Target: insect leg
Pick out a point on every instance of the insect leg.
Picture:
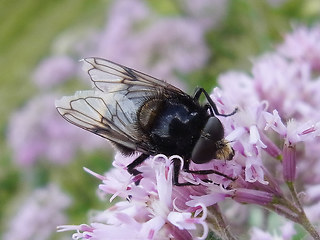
(186, 168)
(131, 167)
(197, 95)
(204, 172)
(176, 172)
(208, 107)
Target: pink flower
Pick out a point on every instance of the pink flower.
(39, 215)
(185, 220)
(292, 134)
(303, 45)
(150, 211)
(53, 71)
(165, 46)
(208, 12)
(37, 131)
(216, 194)
(254, 171)
(274, 121)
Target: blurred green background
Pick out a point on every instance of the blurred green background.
(29, 30)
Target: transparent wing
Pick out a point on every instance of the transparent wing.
(110, 110)
(110, 77)
(111, 116)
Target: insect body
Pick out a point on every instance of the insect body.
(137, 112)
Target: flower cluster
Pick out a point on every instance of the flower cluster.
(37, 132)
(278, 125)
(148, 210)
(161, 52)
(275, 135)
(53, 71)
(44, 207)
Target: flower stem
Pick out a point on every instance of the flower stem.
(293, 210)
(294, 194)
(303, 219)
(217, 224)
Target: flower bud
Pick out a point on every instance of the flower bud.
(244, 195)
(289, 162)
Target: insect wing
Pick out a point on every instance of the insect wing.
(110, 110)
(111, 116)
(109, 77)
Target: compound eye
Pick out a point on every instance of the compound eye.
(206, 146)
(203, 152)
(214, 129)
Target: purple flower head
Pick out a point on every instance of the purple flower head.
(165, 46)
(289, 86)
(244, 130)
(54, 70)
(37, 131)
(292, 133)
(288, 89)
(152, 209)
(272, 74)
(302, 45)
(208, 12)
(39, 215)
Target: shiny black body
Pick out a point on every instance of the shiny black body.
(176, 126)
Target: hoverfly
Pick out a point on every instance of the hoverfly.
(137, 112)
